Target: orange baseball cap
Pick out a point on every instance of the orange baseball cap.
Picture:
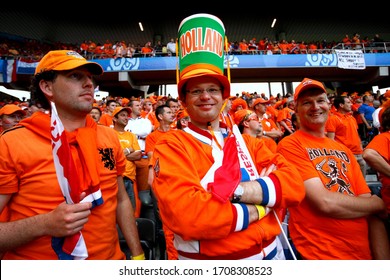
(387, 93)
(119, 109)
(66, 60)
(307, 84)
(260, 101)
(9, 109)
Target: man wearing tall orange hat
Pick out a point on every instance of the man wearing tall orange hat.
(218, 196)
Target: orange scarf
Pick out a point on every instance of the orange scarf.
(82, 142)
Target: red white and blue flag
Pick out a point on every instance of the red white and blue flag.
(9, 70)
(70, 247)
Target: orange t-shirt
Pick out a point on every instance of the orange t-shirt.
(152, 138)
(243, 47)
(345, 129)
(381, 144)
(268, 124)
(272, 112)
(356, 115)
(270, 143)
(106, 119)
(128, 139)
(27, 172)
(315, 235)
(285, 115)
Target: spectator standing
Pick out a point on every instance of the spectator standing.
(378, 42)
(148, 111)
(342, 127)
(165, 117)
(252, 46)
(269, 127)
(40, 221)
(120, 49)
(243, 45)
(356, 103)
(302, 47)
(347, 42)
(158, 48)
(106, 118)
(107, 44)
(91, 49)
(338, 205)
(261, 46)
(365, 111)
(141, 127)
(132, 152)
(130, 50)
(84, 48)
(171, 47)
(356, 43)
(174, 105)
(147, 50)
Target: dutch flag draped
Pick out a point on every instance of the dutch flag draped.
(71, 247)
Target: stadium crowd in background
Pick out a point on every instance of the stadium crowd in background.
(32, 50)
(269, 119)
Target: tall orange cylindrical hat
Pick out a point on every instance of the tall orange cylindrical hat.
(201, 42)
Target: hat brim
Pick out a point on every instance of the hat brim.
(203, 73)
(307, 87)
(122, 109)
(261, 102)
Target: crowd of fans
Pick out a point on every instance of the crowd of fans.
(32, 50)
(245, 100)
(275, 113)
